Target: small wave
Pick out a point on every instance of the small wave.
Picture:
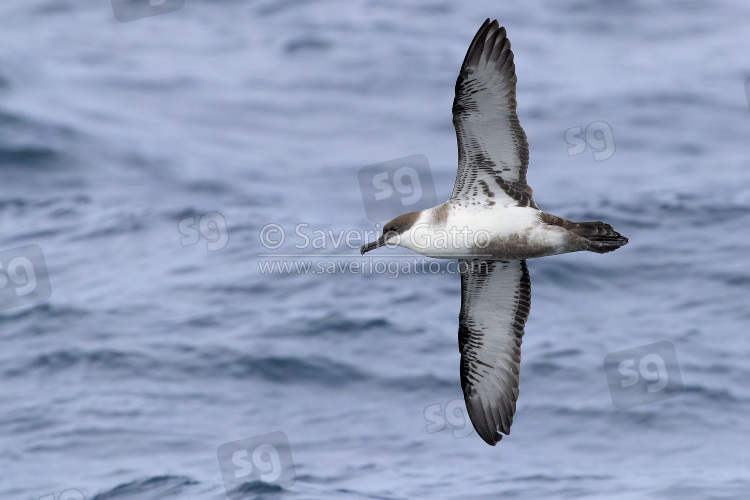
(106, 361)
(113, 223)
(287, 370)
(191, 363)
(305, 44)
(336, 324)
(30, 144)
(155, 487)
(280, 6)
(250, 489)
(420, 383)
(27, 156)
(43, 318)
(561, 477)
(710, 395)
(56, 203)
(40, 312)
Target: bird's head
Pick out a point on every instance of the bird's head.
(395, 232)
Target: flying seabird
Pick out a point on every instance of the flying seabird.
(492, 225)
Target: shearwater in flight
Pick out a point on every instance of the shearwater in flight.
(492, 225)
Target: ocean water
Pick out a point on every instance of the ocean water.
(147, 160)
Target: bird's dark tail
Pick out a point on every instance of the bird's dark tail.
(602, 237)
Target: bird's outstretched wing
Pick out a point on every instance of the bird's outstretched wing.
(495, 301)
(493, 153)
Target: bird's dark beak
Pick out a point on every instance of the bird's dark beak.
(373, 245)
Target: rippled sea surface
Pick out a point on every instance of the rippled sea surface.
(150, 352)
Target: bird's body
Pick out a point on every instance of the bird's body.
(492, 224)
(453, 231)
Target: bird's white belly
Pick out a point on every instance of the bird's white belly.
(453, 232)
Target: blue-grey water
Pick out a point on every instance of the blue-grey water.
(151, 352)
